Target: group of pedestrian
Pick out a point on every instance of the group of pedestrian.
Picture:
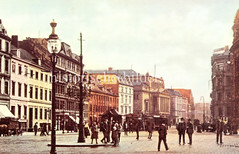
(43, 128)
(183, 128)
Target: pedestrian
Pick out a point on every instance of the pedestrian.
(103, 128)
(125, 127)
(35, 128)
(131, 127)
(94, 133)
(86, 129)
(150, 128)
(42, 130)
(219, 127)
(162, 130)
(181, 130)
(119, 129)
(137, 126)
(115, 135)
(190, 131)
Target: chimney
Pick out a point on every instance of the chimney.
(110, 69)
(15, 41)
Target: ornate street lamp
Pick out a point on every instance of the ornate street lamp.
(53, 45)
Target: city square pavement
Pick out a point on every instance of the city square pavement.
(67, 143)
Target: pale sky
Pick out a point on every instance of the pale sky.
(178, 36)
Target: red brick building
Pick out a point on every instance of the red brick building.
(101, 99)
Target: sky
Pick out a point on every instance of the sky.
(177, 37)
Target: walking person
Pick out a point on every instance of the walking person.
(190, 131)
(94, 133)
(103, 128)
(86, 129)
(181, 130)
(162, 130)
(35, 128)
(219, 127)
(150, 129)
(125, 127)
(137, 127)
(119, 128)
(115, 135)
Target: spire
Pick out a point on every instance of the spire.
(235, 27)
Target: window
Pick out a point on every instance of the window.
(36, 75)
(20, 69)
(36, 116)
(19, 89)
(31, 92)
(31, 73)
(0, 63)
(129, 99)
(7, 47)
(49, 95)
(36, 93)
(73, 67)
(26, 71)
(13, 67)
(50, 79)
(13, 110)
(0, 44)
(6, 66)
(13, 88)
(45, 113)
(40, 113)
(125, 109)
(41, 76)
(6, 88)
(126, 99)
(19, 111)
(25, 90)
(46, 77)
(122, 99)
(46, 95)
(41, 94)
(25, 112)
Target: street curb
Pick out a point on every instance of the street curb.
(81, 145)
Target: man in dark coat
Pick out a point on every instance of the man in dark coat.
(137, 127)
(190, 131)
(35, 128)
(181, 130)
(150, 128)
(219, 127)
(104, 130)
(162, 130)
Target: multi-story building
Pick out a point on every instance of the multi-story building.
(188, 103)
(235, 64)
(178, 106)
(5, 58)
(30, 88)
(67, 75)
(222, 82)
(201, 110)
(102, 98)
(120, 86)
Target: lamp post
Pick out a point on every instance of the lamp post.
(53, 45)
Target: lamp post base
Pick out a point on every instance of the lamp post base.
(81, 138)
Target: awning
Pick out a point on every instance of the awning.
(75, 120)
(5, 112)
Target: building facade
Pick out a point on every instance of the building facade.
(201, 110)
(188, 103)
(102, 98)
(178, 106)
(67, 76)
(222, 82)
(30, 88)
(5, 59)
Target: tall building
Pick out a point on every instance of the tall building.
(67, 75)
(178, 106)
(30, 88)
(120, 86)
(235, 62)
(102, 98)
(5, 73)
(222, 82)
(188, 101)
